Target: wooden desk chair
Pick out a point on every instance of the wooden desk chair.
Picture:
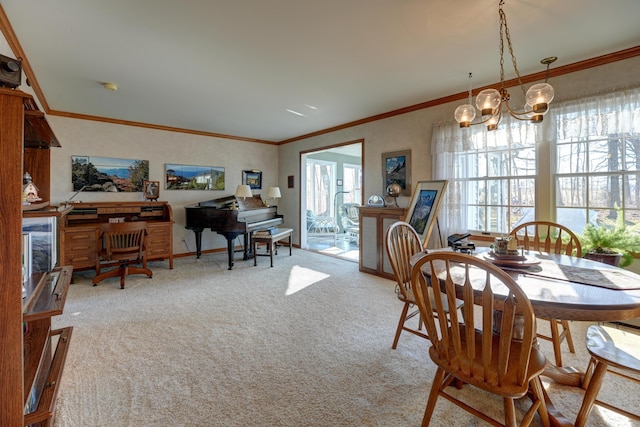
(123, 243)
(608, 347)
(479, 349)
(402, 242)
(544, 236)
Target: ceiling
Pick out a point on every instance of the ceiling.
(235, 67)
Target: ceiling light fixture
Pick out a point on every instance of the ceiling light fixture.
(296, 113)
(110, 86)
(491, 102)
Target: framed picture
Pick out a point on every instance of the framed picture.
(290, 181)
(424, 207)
(108, 174)
(396, 168)
(151, 190)
(253, 179)
(192, 177)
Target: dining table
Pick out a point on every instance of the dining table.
(566, 288)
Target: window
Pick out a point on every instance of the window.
(320, 186)
(492, 176)
(581, 165)
(598, 159)
(352, 182)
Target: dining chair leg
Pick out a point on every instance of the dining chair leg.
(509, 412)
(433, 396)
(593, 388)
(403, 317)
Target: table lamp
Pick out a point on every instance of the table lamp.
(243, 191)
(273, 193)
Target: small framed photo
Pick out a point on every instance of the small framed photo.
(290, 181)
(151, 190)
(424, 207)
(396, 168)
(253, 179)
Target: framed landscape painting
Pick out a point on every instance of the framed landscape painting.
(190, 177)
(424, 207)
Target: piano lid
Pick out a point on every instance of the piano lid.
(226, 202)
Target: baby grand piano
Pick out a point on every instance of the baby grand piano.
(252, 214)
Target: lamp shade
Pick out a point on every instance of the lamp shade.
(274, 193)
(243, 191)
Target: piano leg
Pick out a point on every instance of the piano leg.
(230, 236)
(198, 232)
(247, 246)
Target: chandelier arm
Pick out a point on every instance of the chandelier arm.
(518, 114)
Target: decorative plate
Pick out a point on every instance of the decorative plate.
(511, 260)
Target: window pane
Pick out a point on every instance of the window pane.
(604, 156)
(605, 191)
(572, 158)
(571, 191)
(631, 191)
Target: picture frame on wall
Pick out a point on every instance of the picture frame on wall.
(396, 168)
(151, 190)
(424, 207)
(252, 178)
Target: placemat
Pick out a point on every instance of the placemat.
(605, 278)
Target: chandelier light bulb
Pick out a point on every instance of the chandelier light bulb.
(488, 101)
(465, 114)
(539, 96)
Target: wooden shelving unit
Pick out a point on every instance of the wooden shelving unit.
(32, 354)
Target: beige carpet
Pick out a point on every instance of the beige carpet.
(306, 343)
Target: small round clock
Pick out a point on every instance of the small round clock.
(375, 200)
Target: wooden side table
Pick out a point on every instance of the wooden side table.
(270, 238)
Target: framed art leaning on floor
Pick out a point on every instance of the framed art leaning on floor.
(424, 207)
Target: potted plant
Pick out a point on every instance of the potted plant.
(611, 245)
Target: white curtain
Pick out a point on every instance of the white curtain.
(614, 112)
(448, 142)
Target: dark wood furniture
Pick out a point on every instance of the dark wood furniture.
(250, 214)
(374, 222)
(17, 111)
(45, 350)
(80, 227)
(122, 244)
(270, 238)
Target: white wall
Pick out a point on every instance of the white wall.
(412, 131)
(91, 138)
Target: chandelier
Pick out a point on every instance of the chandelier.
(492, 102)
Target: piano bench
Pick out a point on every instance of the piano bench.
(271, 239)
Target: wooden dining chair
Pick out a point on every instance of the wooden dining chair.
(123, 245)
(495, 353)
(545, 236)
(608, 347)
(402, 242)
